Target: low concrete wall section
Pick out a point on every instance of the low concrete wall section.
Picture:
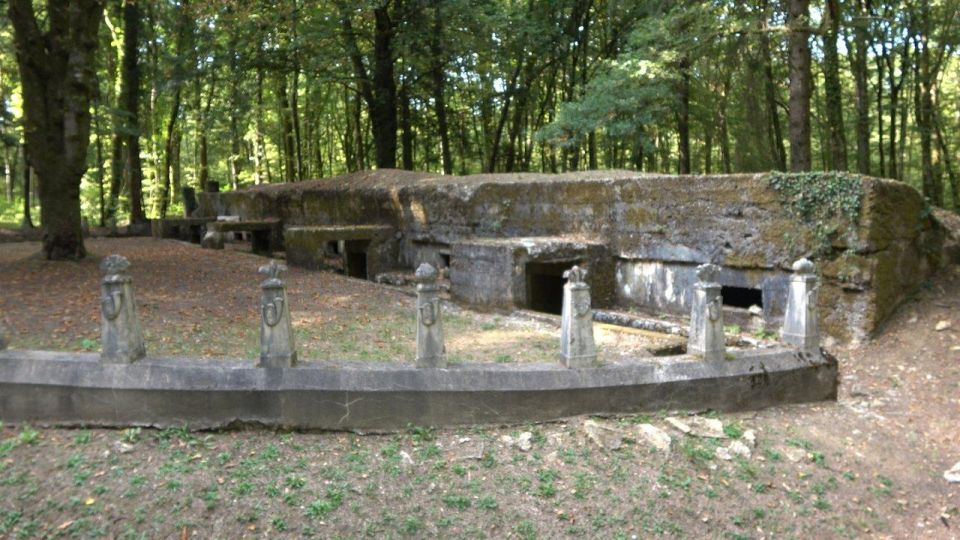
(72, 389)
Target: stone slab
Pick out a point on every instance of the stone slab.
(241, 226)
(358, 232)
(74, 389)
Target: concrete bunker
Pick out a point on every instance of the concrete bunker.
(356, 251)
(640, 236)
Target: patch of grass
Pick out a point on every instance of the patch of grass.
(488, 503)
(746, 471)
(677, 480)
(733, 430)
(800, 443)
(332, 499)
(547, 488)
(885, 488)
(822, 504)
(582, 485)
(765, 333)
(700, 453)
(453, 500)
(422, 434)
(9, 520)
(295, 482)
(411, 525)
(28, 435)
(130, 435)
(525, 529)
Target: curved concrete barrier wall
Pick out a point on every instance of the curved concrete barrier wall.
(73, 389)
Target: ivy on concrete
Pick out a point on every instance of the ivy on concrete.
(823, 200)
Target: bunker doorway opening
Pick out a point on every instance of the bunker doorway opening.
(356, 258)
(741, 297)
(545, 285)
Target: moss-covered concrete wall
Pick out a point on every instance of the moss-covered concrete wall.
(746, 223)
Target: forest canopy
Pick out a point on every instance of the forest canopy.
(115, 106)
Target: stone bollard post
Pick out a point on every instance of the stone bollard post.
(431, 352)
(800, 327)
(706, 316)
(3, 339)
(277, 348)
(577, 347)
(121, 335)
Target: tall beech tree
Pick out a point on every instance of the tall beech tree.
(55, 56)
(130, 105)
(801, 85)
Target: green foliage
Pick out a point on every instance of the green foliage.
(638, 87)
(826, 201)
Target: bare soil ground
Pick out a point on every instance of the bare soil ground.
(869, 465)
(195, 302)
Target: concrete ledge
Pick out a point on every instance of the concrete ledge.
(72, 389)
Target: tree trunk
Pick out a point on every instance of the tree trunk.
(858, 65)
(896, 86)
(775, 132)
(176, 170)
(295, 122)
(7, 176)
(130, 96)
(101, 195)
(504, 114)
(406, 126)
(286, 132)
(259, 149)
(925, 78)
(947, 161)
(57, 74)
(168, 154)
(800, 85)
(383, 112)
(833, 91)
(438, 80)
(881, 150)
(379, 91)
(683, 117)
(27, 220)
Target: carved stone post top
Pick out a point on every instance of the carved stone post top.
(272, 271)
(804, 266)
(426, 275)
(576, 276)
(708, 273)
(114, 268)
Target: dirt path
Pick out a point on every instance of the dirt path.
(869, 465)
